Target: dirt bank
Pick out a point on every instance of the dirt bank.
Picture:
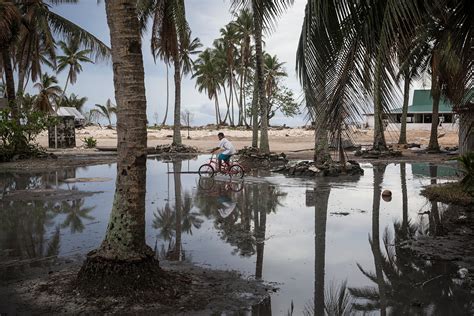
(49, 291)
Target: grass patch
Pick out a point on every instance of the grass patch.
(450, 193)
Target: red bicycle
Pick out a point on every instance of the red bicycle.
(232, 169)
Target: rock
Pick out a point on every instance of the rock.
(314, 169)
(413, 145)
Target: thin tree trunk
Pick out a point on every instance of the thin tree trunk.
(22, 69)
(264, 145)
(406, 93)
(167, 94)
(177, 104)
(321, 198)
(10, 81)
(64, 94)
(379, 137)
(216, 105)
(255, 110)
(231, 98)
(124, 253)
(436, 95)
(242, 82)
(227, 114)
(379, 170)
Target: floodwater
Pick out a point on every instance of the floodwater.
(316, 241)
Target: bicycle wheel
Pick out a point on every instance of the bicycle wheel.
(206, 170)
(236, 171)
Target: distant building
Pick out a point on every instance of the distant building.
(419, 112)
(79, 119)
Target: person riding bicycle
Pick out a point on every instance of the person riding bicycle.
(225, 150)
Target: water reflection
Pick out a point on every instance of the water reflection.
(405, 284)
(236, 207)
(261, 229)
(172, 222)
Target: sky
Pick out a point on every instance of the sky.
(205, 18)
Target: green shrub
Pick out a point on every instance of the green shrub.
(89, 142)
(17, 135)
(467, 163)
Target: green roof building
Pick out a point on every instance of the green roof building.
(420, 111)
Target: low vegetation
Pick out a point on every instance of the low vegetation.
(90, 142)
(18, 135)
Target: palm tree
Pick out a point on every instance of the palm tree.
(75, 101)
(208, 78)
(265, 12)
(273, 72)
(35, 30)
(48, 91)
(124, 241)
(169, 37)
(106, 110)
(244, 28)
(10, 20)
(228, 40)
(72, 59)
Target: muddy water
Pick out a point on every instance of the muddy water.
(316, 241)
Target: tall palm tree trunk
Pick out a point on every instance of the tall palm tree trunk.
(321, 141)
(436, 95)
(406, 93)
(231, 97)
(321, 198)
(167, 94)
(9, 81)
(255, 111)
(258, 20)
(124, 251)
(379, 137)
(177, 103)
(22, 69)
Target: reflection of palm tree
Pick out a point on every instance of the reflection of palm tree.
(374, 241)
(414, 285)
(76, 212)
(164, 220)
(321, 198)
(189, 219)
(403, 179)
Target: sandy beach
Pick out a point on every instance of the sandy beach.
(281, 140)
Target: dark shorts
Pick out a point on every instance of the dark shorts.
(224, 157)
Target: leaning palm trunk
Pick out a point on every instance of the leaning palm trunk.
(167, 94)
(177, 104)
(379, 137)
(9, 80)
(255, 115)
(436, 95)
(124, 253)
(403, 128)
(22, 70)
(258, 20)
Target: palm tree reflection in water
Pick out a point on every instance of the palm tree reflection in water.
(405, 283)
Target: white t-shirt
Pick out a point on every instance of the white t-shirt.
(229, 148)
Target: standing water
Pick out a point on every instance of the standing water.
(330, 245)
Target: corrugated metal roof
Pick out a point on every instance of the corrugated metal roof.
(70, 111)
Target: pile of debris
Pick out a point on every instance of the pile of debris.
(175, 149)
(252, 157)
(329, 169)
